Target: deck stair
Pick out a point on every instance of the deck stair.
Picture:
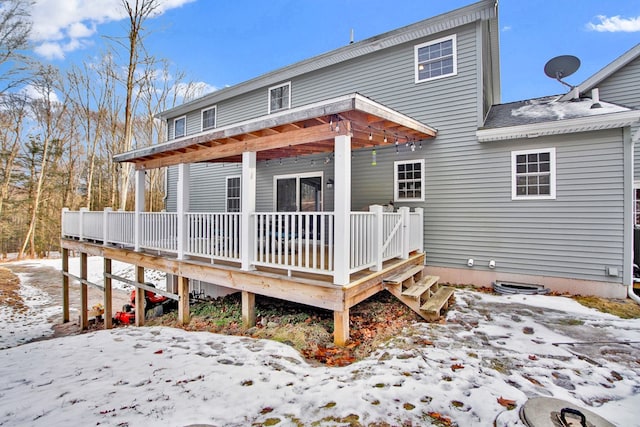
(419, 292)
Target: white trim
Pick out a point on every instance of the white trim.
(559, 127)
(174, 126)
(226, 192)
(396, 197)
(288, 98)
(552, 174)
(215, 118)
(454, 56)
(298, 176)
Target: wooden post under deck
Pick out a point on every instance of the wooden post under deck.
(108, 301)
(140, 297)
(248, 309)
(84, 311)
(65, 285)
(341, 327)
(183, 300)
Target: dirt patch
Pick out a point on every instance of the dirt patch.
(625, 309)
(9, 290)
(307, 329)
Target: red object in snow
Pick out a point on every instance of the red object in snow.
(125, 317)
(152, 298)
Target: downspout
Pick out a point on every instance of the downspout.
(627, 275)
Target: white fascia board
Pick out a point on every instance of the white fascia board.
(582, 124)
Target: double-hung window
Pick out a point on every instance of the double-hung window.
(409, 181)
(233, 194)
(533, 174)
(280, 97)
(208, 118)
(436, 59)
(179, 127)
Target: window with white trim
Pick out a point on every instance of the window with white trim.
(436, 59)
(408, 181)
(280, 97)
(208, 118)
(232, 196)
(533, 174)
(179, 127)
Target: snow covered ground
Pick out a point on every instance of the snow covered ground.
(491, 349)
(20, 326)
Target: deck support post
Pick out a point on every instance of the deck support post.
(406, 231)
(377, 235)
(139, 208)
(248, 206)
(248, 309)
(341, 327)
(184, 316)
(108, 300)
(183, 207)
(65, 285)
(84, 310)
(140, 314)
(342, 208)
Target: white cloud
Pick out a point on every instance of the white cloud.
(615, 24)
(34, 92)
(189, 91)
(61, 26)
(506, 28)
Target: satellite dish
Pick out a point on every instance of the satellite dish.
(562, 66)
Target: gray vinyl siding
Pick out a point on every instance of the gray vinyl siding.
(207, 189)
(623, 87)
(575, 236)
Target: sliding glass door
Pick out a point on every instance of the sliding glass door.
(298, 193)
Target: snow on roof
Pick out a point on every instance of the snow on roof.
(549, 108)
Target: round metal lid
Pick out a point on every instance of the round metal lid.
(550, 412)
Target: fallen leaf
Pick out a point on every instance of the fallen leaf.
(533, 357)
(456, 366)
(157, 352)
(507, 403)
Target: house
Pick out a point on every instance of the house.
(276, 186)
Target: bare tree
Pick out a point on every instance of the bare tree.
(47, 112)
(138, 12)
(15, 27)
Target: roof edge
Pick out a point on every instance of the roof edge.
(484, 9)
(559, 127)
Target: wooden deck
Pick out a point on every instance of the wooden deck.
(305, 288)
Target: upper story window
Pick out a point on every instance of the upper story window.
(436, 59)
(208, 118)
(279, 97)
(533, 174)
(409, 181)
(179, 127)
(233, 194)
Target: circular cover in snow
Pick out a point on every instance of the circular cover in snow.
(550, 412)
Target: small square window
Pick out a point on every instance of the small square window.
(533, 174)
(280, 97)
(436, 59)
(179, 127)
(209, 118)
(409, 181)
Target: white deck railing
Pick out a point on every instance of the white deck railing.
(294, 241)
(301, 241)
(213, 235)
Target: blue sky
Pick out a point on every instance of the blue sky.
(222, 43)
